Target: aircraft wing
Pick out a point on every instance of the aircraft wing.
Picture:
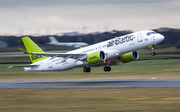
(79, 56)
(23, 66)
(65, 55)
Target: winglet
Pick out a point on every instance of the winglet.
(22, 50)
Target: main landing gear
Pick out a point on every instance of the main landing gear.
(87, 69)
(107, 68)
(152, 53)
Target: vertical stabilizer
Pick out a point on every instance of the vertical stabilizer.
(32, 47)
(53, 40)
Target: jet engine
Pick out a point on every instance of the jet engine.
(129, 56)
(96, 57)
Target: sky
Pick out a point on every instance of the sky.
(60, 16)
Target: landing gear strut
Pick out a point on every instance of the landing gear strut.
(107, 68)
(152, 53)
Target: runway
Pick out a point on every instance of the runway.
(92, 84)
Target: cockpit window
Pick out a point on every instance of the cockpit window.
(149, 33)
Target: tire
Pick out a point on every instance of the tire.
(109, 69)
(105, 69)
(85, 70)
(153, 53)
(88, 69)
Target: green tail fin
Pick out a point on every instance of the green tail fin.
(32, 47)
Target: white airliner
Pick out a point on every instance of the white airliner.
(122, 48)
(54, 41)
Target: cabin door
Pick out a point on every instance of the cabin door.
(139, 37)
(49, 63)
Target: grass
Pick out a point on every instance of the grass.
(90, 100)
(15, 59)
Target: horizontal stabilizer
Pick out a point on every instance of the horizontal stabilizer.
(22, 50)
(23, 66)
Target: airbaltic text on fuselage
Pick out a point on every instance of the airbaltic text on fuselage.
(120, 40)
(35, 57)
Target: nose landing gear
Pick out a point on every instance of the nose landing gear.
(153, 53)
(152, 48)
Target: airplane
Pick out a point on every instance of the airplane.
(123, 48)
(54, 41)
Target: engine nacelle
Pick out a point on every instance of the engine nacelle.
(96, 57)
(134, 55)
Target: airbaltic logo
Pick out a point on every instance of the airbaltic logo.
(35, 57)
(92, 57)
(121, 40)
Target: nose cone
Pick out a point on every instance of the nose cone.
(159, 38)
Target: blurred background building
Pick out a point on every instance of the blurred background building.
(3, 44)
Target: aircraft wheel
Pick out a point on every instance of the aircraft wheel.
(87, 69)
(153, 53)
(107, 69)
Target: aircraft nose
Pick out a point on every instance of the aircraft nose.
(159, 38)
